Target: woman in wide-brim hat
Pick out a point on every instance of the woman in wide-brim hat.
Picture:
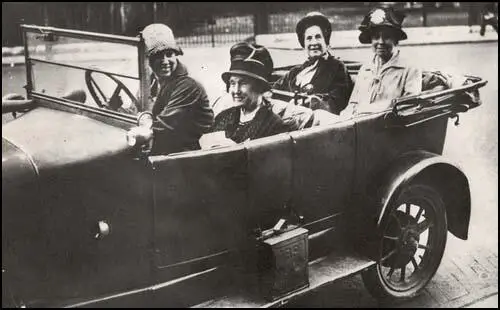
(378, 18)
(387, 76)
(250, 116)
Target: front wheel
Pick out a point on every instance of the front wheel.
(411, 244)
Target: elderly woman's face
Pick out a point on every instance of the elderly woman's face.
(244, 90)
(383, 42)
(314, 42)
(163, 63)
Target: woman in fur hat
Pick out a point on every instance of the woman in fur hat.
(387, 76)
(180, 105)
(322, 76)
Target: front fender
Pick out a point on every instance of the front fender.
(437, 171)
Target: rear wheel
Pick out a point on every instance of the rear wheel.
(411, 244)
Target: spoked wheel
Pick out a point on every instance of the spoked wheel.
(411, 245)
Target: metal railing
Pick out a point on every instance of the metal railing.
(215, 24)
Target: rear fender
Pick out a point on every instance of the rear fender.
(436, 171)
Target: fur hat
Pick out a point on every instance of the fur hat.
(381, 17)
(250, 60)
(159, 37)
(311, 19)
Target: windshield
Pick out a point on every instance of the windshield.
(104, 67)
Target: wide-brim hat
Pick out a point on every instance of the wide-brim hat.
(311, 19)
(158, 38)
(382, 18)
(250, 60)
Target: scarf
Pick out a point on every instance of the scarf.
(305, 76)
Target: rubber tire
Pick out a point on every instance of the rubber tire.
(372, 278)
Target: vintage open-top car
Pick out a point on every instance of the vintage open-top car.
(90, 218)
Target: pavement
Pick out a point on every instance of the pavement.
(466, 279)
(339, 40)
(489, 302)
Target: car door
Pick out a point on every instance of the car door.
(199, 203)
(270, 164)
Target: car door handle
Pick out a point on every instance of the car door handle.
(103, 229)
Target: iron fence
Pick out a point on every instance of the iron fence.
(212, 23)
(219, 31)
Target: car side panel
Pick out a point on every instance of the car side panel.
(75, 199)
(323, 169)
(378, 147)
(200, 199)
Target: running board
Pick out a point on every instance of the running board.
(322, 271)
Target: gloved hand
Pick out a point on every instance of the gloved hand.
(215, 139)
(314, 102)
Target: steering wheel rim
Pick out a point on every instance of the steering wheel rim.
(93, 87)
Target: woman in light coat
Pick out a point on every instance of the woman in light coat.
(387, 76)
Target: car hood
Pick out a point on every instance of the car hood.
(51, 139)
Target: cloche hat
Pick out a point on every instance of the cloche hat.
(159, 37)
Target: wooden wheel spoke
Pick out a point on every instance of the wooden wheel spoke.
(419, 213)
(403, 274)
(389, 274)
(423, 226)
(414, 263)
(425, 247)
(408, 208)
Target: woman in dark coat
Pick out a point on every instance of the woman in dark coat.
(251, 115)
(180, 104)
(323, 77)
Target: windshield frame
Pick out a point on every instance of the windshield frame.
(46, 32)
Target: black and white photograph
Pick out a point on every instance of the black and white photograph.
(250, 154)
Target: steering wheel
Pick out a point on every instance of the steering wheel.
(114, 102)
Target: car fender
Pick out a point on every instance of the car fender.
(433, 169)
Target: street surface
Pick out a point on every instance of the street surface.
(469, 270)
